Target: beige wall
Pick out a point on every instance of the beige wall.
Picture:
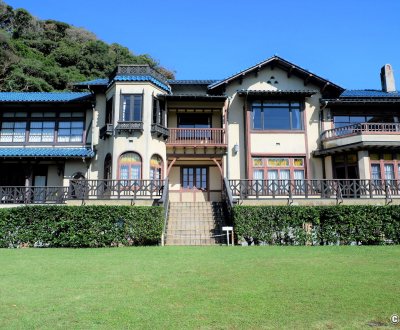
(144, 143)
(272, 143)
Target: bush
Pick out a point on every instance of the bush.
(80, 226)
(318, 225)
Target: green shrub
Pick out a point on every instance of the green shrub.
(318, 225)
(80, 226)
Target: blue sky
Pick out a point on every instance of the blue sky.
(346, 42)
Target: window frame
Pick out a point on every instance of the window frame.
(394, 161)
(130, 167)
(57, 117)
(291, 167)
(132, 97)
(264, 104)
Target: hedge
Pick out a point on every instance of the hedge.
(80, 226)
(318, 225)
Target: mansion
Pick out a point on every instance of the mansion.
(273, 130)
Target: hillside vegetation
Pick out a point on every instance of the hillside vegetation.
(47, 55)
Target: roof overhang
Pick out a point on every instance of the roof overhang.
(266, 93)
(360, 101)
(192, 97)
(47, 152)
(390, 145)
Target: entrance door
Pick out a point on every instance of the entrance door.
(39, 192)
(195, 181)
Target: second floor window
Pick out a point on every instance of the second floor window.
(42, 127)
(131, 107)
(276, 115)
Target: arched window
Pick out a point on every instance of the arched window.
(107, 167)
(130, 166)
(156, 168)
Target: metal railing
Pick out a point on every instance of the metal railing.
(164, 201)
(361, 128)
(227, 199)
(196, 136)
(159, 129)
(338, 189)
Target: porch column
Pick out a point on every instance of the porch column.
(328, 168)
(363, 164)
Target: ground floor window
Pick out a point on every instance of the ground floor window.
(385, 166)
(194, 177)
(130, 165)
(278, 168)
(156, 167)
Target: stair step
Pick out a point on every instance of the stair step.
(194, 223)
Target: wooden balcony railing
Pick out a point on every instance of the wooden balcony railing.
(83, 190)
(339, 189)
(361, 128)
(196, 136)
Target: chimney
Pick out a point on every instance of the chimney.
(387, 79)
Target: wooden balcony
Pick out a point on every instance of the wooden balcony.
(197, 137)
(361, 128)
(362, 134)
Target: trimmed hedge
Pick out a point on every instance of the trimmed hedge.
(318, 225)
(80, 226)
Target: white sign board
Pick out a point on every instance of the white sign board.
(227, 228)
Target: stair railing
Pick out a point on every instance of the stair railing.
(227, 198)
(164, 201)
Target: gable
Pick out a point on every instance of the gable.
(278, 68)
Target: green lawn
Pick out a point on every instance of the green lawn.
(199, 287)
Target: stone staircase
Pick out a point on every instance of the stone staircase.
(195, 223)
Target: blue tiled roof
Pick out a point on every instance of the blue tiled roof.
(95, 82)
(142, 78)
(193, 82)
(43, 96)
(369, 93)
(47, 152)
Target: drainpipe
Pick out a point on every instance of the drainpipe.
(320, 132)
(227, 139)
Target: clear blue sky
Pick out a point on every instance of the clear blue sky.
(345, 41)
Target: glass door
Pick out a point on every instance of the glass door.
(195, 178)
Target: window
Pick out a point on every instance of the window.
(194, 177)
(70, 131)
(107, 175)
(42, 131)
(278, 168)
(109, 111)
(42, 127)
(346, 120)
(130, 166)
(194, 120)
(13, 131)
(131, 107)
(158, 112)
(385, 166)
(276, 115)
(156, 167)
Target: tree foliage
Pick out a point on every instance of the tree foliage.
(46, 55)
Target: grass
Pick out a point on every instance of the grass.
(195, 287)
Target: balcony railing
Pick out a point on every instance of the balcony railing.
(129, 126)
(106, 130)
(83, 190)
(197, 136)
(361, 128)
(159, 130)
(339, 189)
